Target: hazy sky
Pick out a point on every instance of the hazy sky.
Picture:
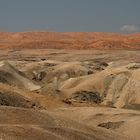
(70, 15)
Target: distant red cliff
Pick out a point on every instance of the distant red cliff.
(69, 40)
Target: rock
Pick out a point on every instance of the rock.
(84, 96)
(134, 66)
(111, 125)
(39, 76)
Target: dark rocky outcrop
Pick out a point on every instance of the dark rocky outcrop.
(111, 125)
(84, 96)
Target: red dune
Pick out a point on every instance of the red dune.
(70, 40)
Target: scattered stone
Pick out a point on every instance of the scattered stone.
(134, 66)
(84, 96)
(39, 76)
(111, 125)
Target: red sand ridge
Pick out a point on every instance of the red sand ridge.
(69, 40)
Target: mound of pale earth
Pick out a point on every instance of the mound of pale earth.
(10, 75)
(67, 70)
(16, 97)
(64, 70)
(55, 76)
(19, 123)
(37, 70)
(117, 86)
(15, 100)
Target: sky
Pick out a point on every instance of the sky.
(70, 15)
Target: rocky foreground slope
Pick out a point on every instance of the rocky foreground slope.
(90, 95)
(69, 40)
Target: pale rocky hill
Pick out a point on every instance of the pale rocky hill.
(69, 95)
(116, 86)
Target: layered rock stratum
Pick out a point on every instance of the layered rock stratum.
(70, 40)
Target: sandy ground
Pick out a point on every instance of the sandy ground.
(69, 94)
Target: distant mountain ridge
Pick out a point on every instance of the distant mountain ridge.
(69, 40)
